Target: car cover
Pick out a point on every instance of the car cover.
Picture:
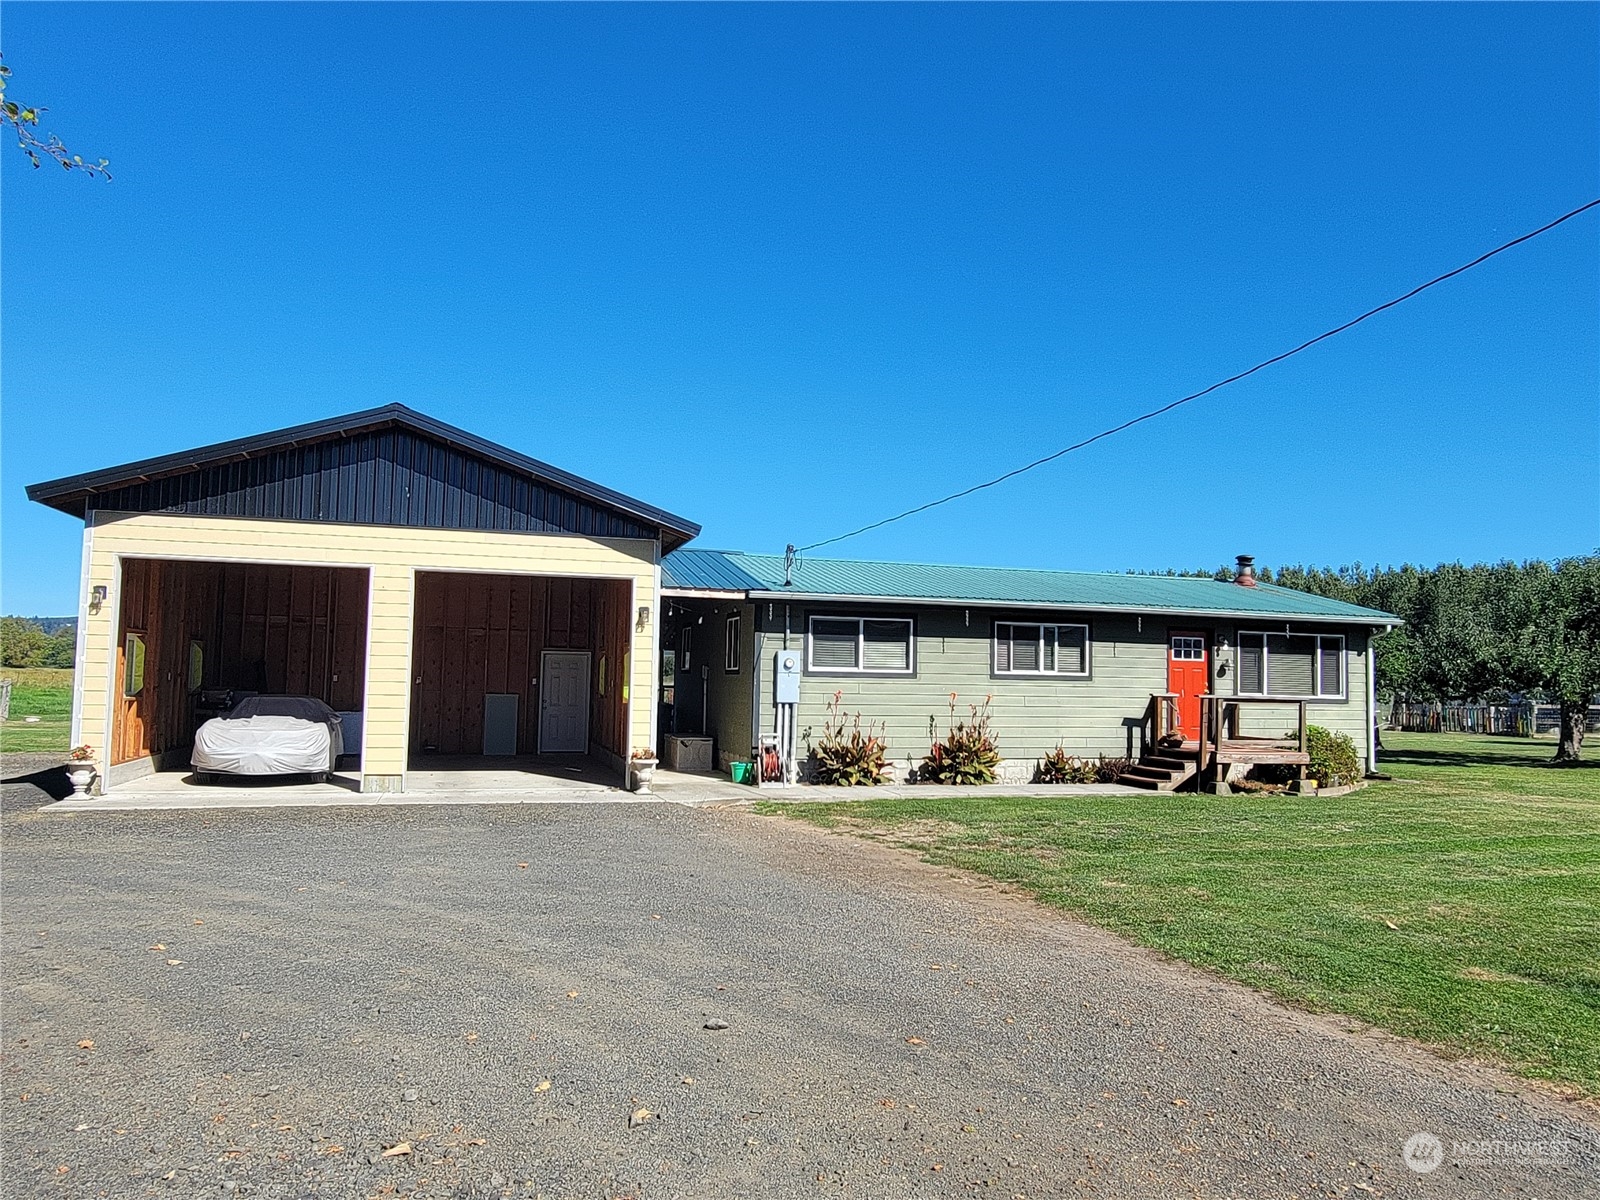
(270, 735)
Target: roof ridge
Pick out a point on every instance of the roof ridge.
(874, 579)
(888, 562)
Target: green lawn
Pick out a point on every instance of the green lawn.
(43, 692)
(1459, 905)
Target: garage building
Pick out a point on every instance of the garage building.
(462, 598)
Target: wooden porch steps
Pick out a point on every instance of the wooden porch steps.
(1164, 769)
(1204, 763)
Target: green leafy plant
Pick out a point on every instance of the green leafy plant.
(1334, 760)
(845, 755)
(968, 753)
(1060, 767)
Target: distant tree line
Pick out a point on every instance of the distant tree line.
(32, 642)
(1479, 633)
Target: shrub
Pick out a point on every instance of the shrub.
(1060, 767)
(1334, 761)
(1108, 770)
(844, 755)
(968, 753)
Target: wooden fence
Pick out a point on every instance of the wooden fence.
(1514, 720)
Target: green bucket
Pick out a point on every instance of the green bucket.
(743, 772)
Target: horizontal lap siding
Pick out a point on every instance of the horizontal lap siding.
(392, 554)
(1031, 714)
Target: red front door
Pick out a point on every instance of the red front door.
(1188, 677)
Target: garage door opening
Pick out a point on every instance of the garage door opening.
(196, 636)
(520, 675)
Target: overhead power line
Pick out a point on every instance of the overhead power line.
(1221, 383)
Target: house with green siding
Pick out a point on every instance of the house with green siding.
(1148, 667)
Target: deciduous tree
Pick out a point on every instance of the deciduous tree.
(24, 120)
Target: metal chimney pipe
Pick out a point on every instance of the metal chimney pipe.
(1246, 574)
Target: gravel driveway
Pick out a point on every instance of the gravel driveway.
(263, 1003)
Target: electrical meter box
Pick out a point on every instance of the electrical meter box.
(786, 677)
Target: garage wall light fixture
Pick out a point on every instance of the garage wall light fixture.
(644, 617)
(97, 597)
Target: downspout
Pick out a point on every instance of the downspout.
(1372, 697)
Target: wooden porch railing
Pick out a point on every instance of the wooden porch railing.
(1160, 719)
(1221, 733)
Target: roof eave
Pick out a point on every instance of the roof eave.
(686, 593)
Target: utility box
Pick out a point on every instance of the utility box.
(689, 753)
(786, 677)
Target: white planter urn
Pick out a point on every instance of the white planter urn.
(644, 770)
(81, 774)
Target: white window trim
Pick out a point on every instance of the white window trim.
(994, 650)
(1186, 637)
(861, 645)
(1316, 660)
(732, 632)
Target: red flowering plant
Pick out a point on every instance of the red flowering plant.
(83, 753)
(845, 755)
(1060, 767)
(968, 753)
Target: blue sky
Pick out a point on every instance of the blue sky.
(786, 269)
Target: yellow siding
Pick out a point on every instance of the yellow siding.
(393, 555)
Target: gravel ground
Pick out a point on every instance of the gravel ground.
(264, 1003)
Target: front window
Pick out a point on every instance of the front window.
(1040, 649)
(1293, 665)
(870, 645)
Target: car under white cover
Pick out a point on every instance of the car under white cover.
(270, 735)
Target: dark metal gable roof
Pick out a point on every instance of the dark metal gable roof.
(385, 466)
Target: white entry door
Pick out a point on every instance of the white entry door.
(564, 702)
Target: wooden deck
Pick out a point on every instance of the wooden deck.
(1258, 750)
(1167, 764)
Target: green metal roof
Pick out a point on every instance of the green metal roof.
(850, 579)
